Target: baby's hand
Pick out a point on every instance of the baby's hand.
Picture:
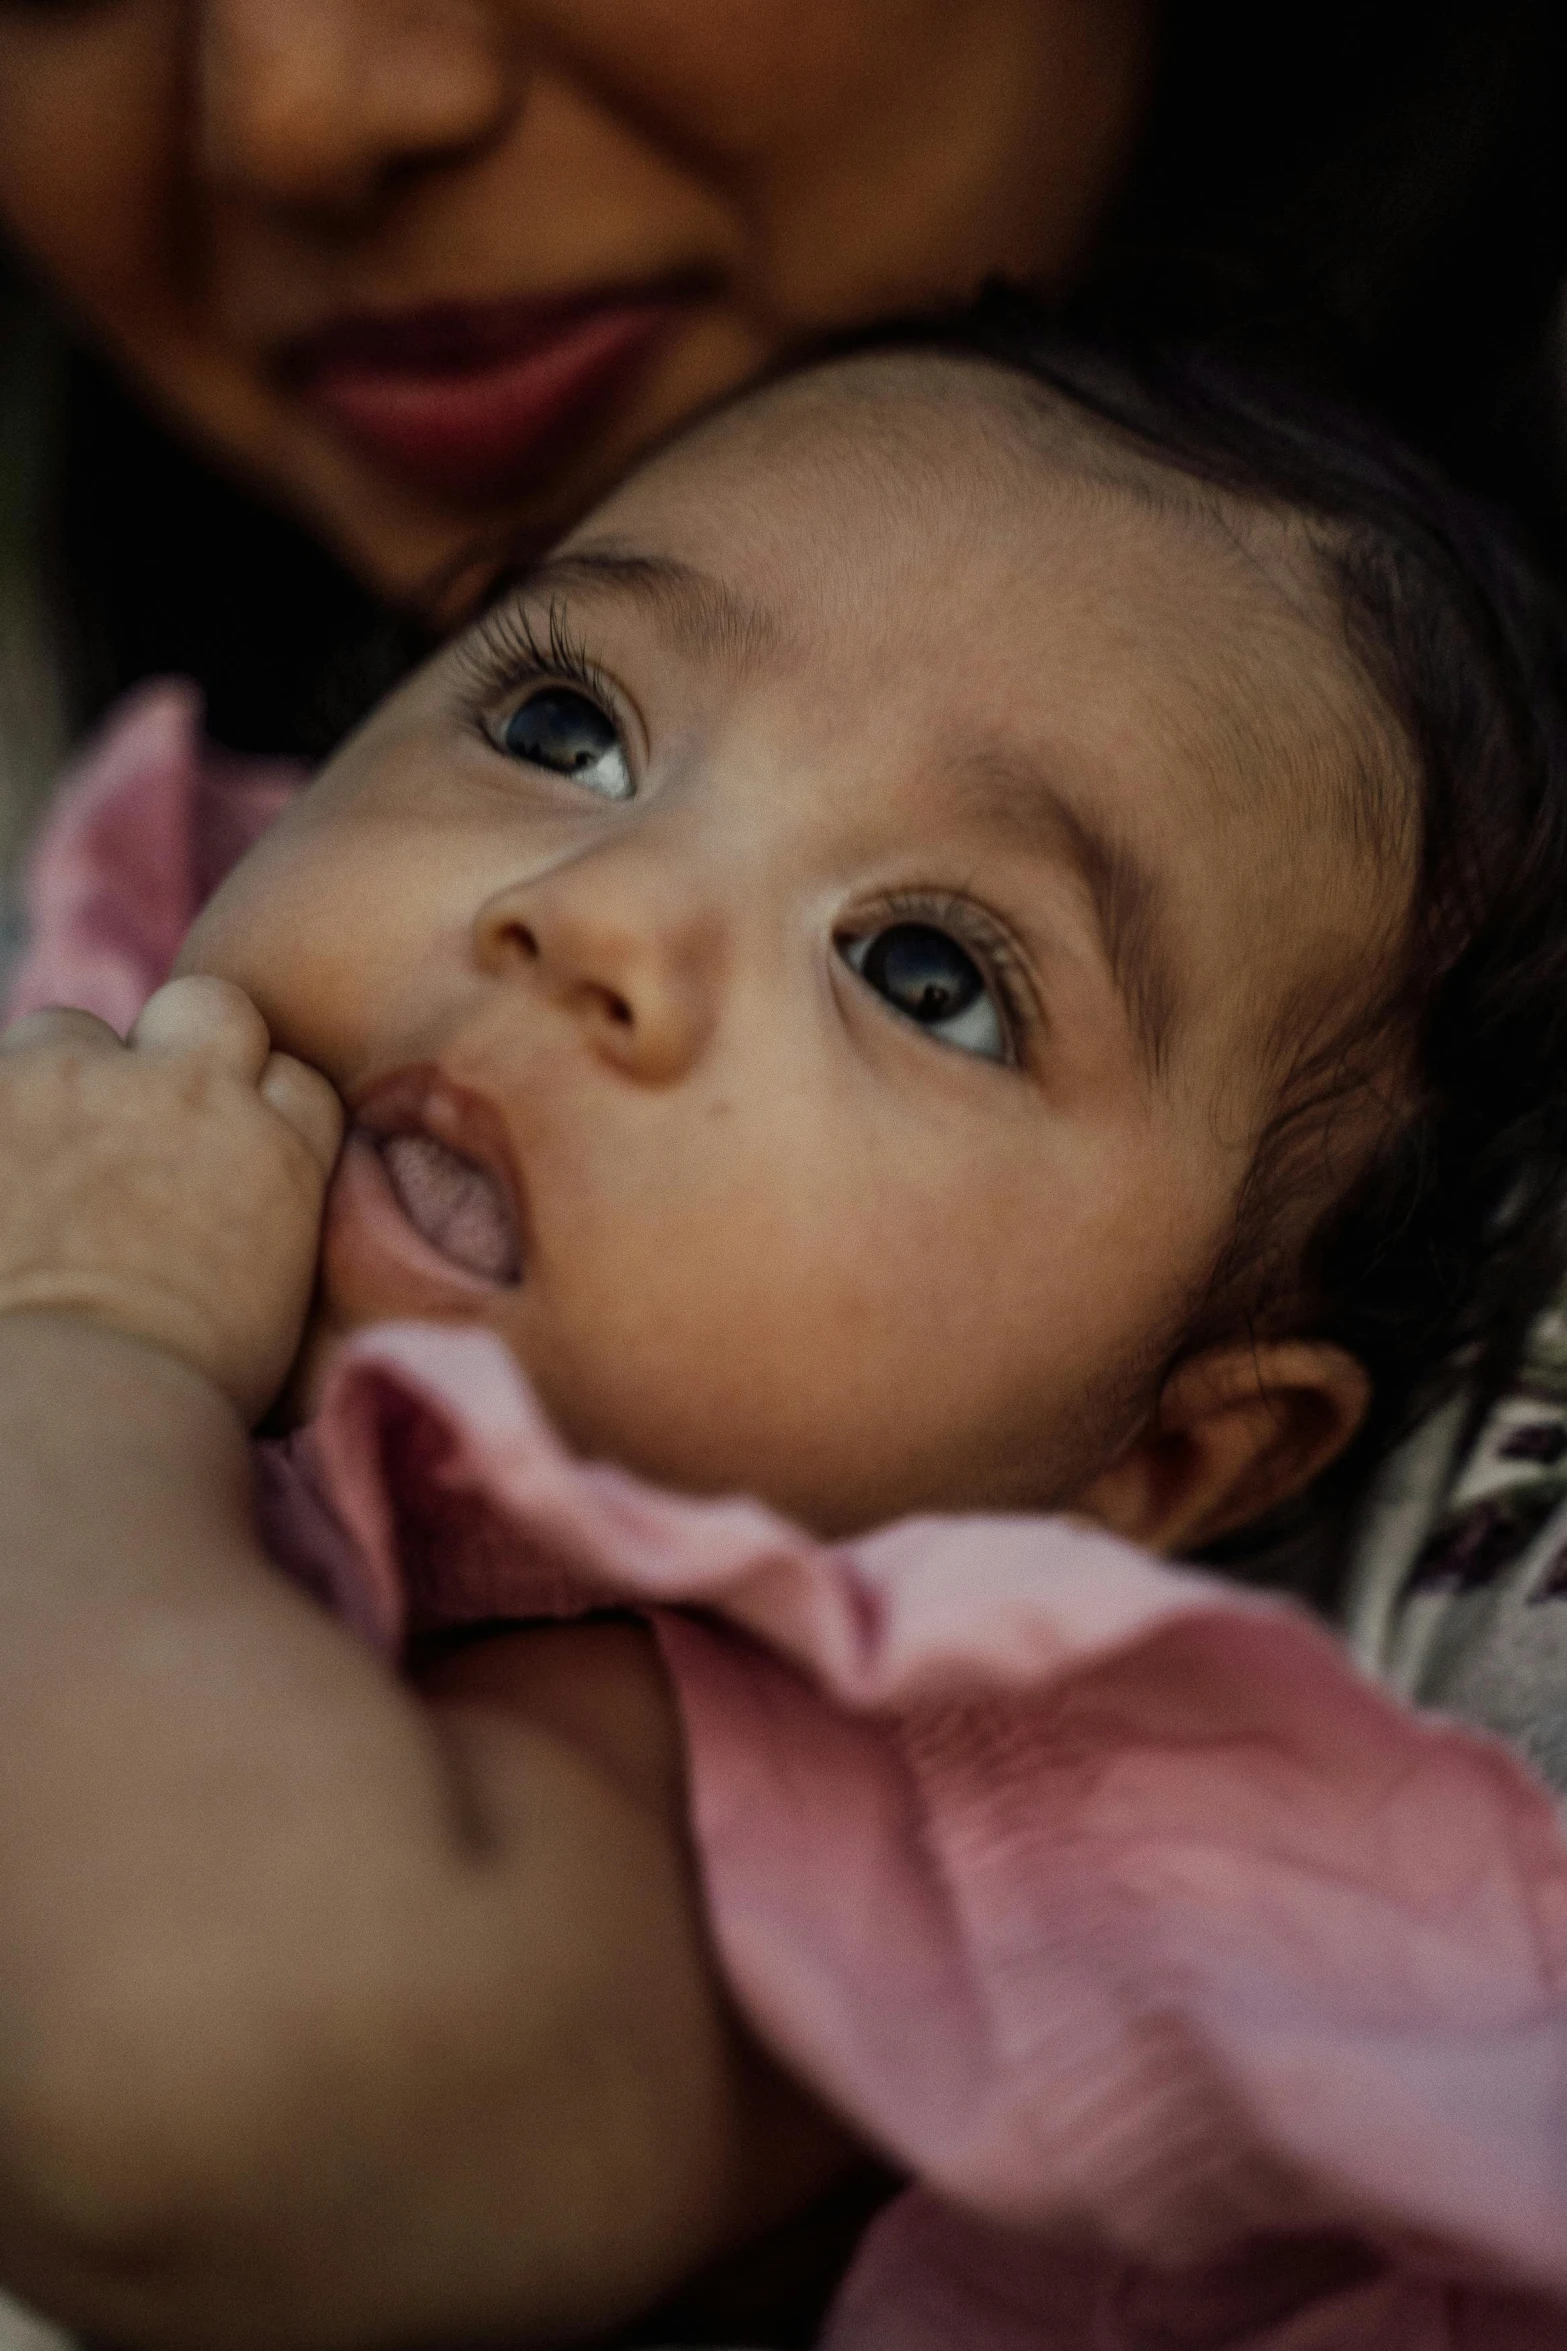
(172, 1188)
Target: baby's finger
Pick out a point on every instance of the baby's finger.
(207, 1016)
(303, 1096)
(60, 1025)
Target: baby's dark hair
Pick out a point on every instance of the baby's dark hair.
(1428, 1267)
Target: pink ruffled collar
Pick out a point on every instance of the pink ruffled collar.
(1108, 1900)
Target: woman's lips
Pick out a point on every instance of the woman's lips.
(477, 401)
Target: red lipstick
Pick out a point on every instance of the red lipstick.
(478, 400)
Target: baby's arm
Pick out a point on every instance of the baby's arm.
(327, 2015)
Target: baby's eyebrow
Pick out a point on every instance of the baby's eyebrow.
(704, 616)
(711, 620)
(1010, 794)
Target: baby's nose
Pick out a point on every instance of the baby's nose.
(640, 979)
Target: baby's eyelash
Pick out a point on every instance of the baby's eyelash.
(505, 649)
(985, 940)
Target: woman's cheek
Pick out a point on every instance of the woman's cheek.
(91, 116)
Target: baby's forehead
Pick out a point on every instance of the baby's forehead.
(936, 562)
(950, 521)
(850, 488)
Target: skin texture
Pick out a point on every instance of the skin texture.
(341, 2011)
(202, 181)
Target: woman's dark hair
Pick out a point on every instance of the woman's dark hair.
(1429, 1267)
(1371, 194)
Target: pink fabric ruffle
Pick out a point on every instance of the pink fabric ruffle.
(142, 829)
(1212, 1996)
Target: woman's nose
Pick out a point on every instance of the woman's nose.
(320, 104)
(639, 973)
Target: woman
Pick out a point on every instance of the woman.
(422, 278)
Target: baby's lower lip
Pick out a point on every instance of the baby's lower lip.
(453, 1203)
(376, 1262)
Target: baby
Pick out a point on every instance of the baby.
(984, 936)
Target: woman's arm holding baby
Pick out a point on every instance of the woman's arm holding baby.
(326, 2015)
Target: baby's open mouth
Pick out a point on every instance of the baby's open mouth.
(454, 1204)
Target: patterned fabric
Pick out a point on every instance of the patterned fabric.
(1458, 1594)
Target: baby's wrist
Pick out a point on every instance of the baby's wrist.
(61, 1317)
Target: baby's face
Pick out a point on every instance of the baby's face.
(802, 971)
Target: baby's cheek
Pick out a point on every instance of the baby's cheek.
(296, 934)
(266, 899)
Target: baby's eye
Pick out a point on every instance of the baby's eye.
(931, 980)
(559, 728)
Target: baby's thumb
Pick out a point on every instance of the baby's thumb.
(303, 1097)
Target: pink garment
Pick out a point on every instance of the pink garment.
(1211, 1997)
(142, 830)
(1105, 1898)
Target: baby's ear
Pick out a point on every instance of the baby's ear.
(1237, 1430)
